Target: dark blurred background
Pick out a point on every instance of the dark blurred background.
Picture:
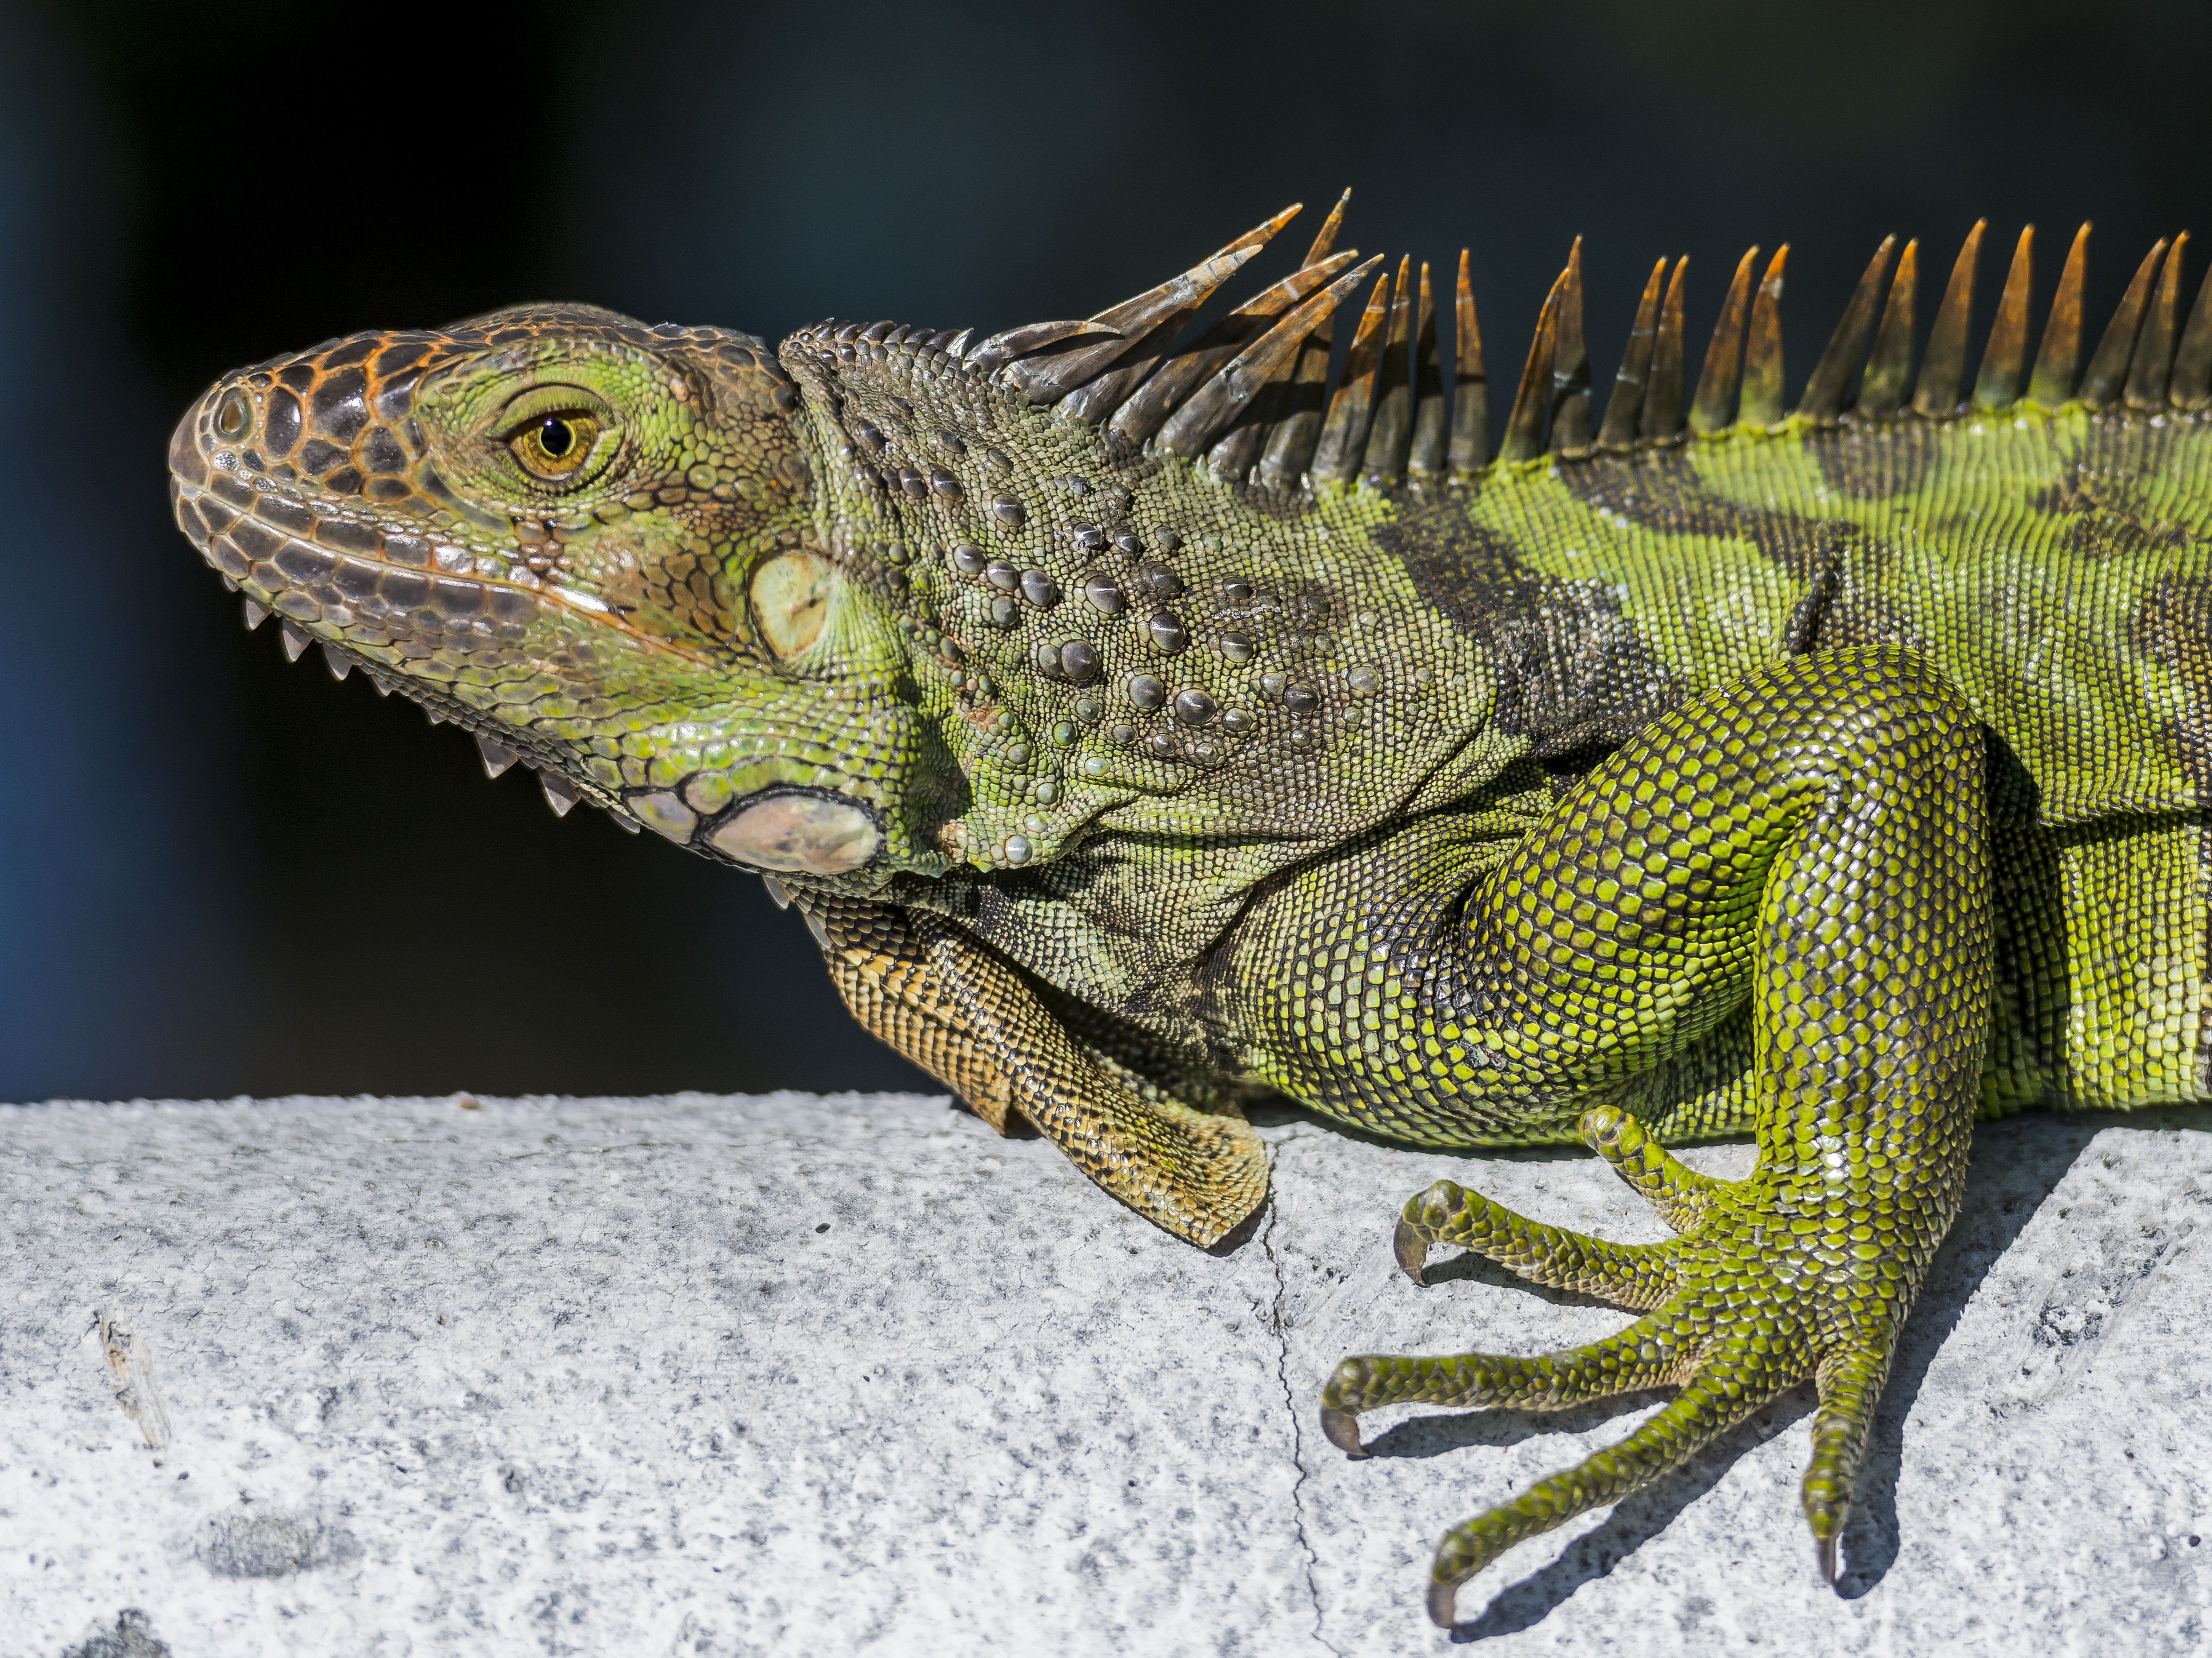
(220, 874)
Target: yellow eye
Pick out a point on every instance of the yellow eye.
(554, 446)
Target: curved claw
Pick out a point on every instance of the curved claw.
(1850, 1384)
(1443, 1605)
(1411, 1250)
(1341, 1429)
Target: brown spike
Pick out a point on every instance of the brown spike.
(1231, 392)
(1097, 399)
(1290, 443)
(1524, 427)
(1470, 423)
(1033, 337)
(1152, 319)
(1427, 459)
(1943, 365)
(1762, 351)
(1074, 379)
(1882, 390)
(2052, 382)
(1998, 383)
(1188, 291)
(1831, 376)
(1662, 398)
(1715, 402)
(1324, 241)
(1385, 458)
(2108, 368)
(1233, 457)
(1571, 369)
(1626, 401)
(2191, 385)
(2153, 354)
(1344, 433)
(1144, 412)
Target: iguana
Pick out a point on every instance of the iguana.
(1144, 720)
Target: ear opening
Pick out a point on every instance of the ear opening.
(790, 596)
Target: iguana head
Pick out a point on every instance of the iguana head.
(595, 544)
(883, 603)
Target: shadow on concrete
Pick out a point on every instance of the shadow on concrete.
(1471, 1268)
(1638, 1517)
(1438, 1436)
(2016, 1163)
(1243, 1232)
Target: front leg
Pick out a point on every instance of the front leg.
(942, 998)
(1814, 838)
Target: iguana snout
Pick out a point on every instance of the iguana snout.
(593, 544)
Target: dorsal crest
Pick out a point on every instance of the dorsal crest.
(1252, 398)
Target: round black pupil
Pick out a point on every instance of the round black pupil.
(556, 437)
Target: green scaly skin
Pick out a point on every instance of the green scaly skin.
(1833, 781)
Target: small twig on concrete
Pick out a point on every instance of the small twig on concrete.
(130, 1362)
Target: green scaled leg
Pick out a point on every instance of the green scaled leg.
(1813, 839)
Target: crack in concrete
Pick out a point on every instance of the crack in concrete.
(1290, 1404)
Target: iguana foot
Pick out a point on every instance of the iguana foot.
(1762, 1289)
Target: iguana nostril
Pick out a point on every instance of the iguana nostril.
(233, 415)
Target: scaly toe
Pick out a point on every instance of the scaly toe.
(1601, 1126)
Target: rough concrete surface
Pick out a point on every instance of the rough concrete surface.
(711, 1377)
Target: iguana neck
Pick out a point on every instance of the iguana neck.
(1108, 640)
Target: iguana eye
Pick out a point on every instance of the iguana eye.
(554, 446)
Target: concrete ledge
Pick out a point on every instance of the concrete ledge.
(716, 1376)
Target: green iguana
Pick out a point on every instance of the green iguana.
(1144, 723)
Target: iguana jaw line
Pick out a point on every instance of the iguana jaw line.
(316, 608)
(781, 829)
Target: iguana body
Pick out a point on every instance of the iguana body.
(1139, 731)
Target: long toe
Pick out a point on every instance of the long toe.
(1713, 1401)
